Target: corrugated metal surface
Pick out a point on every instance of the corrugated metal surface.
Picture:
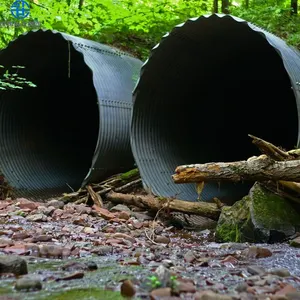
(72, 128)
(208, 84)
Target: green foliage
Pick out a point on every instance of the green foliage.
(130, 25)
(154, 282)
(137, 25)
(12, 81)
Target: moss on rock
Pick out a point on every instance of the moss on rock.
(260, 217)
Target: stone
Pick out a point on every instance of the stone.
(162, 239)
(13, 264)
(102, 250)
(210, 295)
(256, 270)
(295, 242)
(159, 293)
(37, 218)
(293, 296)
(56, 203)
(189, 257)
(260, 217)
(119, 208)
(282, 272)
(28, 283)
(127, 289)
(257, 252)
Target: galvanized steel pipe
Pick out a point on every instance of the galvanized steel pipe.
(74, 127)
(209, 83)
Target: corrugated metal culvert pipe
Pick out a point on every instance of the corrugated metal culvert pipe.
(72, 128)
(208, 84)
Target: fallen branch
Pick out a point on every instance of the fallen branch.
(259, 168)
(209, 210)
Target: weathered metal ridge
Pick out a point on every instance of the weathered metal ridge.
(74, 127)
(209, 83)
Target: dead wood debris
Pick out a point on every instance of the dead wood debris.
(276, 169)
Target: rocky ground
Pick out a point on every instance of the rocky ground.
(66, 251)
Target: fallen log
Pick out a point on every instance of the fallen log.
(259, 168)
(205, 209)
(287, 189)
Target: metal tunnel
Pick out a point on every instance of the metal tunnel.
(74, 127)
(209, 83)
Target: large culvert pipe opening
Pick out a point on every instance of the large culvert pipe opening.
(55, 136)
(208, 85)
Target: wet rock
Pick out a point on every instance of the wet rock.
(282, 272)
(102, 250)
(56, 203)
(120, 208)
(37, 218)
(13, 264)
(162, 239)
(295, 242)
(189, 257)
(256, 270)
(260, 217)
(91, 265)
(28, 283)
(257, 252)
(127, 289)
(159, 293)
(210, 295)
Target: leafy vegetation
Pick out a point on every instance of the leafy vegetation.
(136, 26)
(12, 80)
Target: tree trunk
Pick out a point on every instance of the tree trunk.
(215, 7)
(225, 6)
(205, 209)
(294, 7)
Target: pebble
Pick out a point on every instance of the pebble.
(120, 208)
(127, 289)
(36, 218)
(159, 293)
(256, 270)
(189, 257)
(28, 283)
(162, 239)
(56, 204)
(210, 295)
(280, 272)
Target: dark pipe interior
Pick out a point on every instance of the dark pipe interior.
(212, 83)
(49, 133)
